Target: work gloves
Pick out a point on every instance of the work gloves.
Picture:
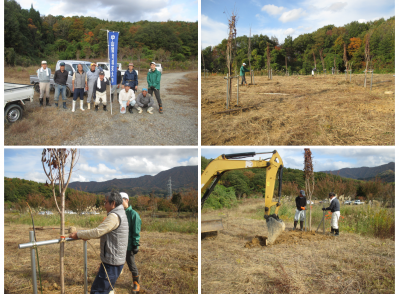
(303, 208)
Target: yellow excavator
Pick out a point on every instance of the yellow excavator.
(227, 162)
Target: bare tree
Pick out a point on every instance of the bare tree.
(309, 181)
(55, 165)
(366, 57)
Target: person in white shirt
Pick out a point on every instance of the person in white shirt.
(126, 99)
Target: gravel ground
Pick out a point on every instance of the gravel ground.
(178, 125)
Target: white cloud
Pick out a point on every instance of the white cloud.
(100, 169)
(273, 10)
(337, 6)
(292, 15)
(212, 32)
(289, 31)
(362, 20)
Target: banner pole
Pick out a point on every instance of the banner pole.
(109, 60)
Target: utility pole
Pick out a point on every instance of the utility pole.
(169, 185)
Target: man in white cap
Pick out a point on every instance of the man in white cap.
(144, 99)
(243, 70)
(134, 221)
(300, 202)
(126, 99)
(44, 75)
(334, 207)
(154, 84)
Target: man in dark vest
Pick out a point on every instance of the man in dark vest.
(113, 233)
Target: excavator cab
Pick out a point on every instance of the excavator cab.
(226, 162)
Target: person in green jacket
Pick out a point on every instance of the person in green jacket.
(154, 84)
(243, 70)
(134, 221)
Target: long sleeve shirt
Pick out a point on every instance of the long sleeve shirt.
(300, 202)
(243, 70)
(61, 78)
(109, 224)
(134, 221)
(334, 205)
(126, 96)
(131, 77)
(118, 77)
(144, 101)
(154, 79)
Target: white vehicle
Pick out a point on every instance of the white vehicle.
(348, 202)
(158, 67)
(15, 96)
(358, 202)
(105, 67)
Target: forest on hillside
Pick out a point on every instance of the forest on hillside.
(322, 48)
(250, 182)
(30, 37)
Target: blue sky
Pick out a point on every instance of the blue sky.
(101, 164)
(324, 159)
(119, 10)
(283, 18)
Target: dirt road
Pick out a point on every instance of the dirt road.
(178, 125)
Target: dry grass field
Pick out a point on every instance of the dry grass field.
(315, 111)
(234, 261)
(167, 263)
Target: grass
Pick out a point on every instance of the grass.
(316, 111)
(167, 261)
(350, 263)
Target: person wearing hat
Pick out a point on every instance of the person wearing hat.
(130, 76)
(300, 202)
(134, 221)
(154, 84)
(92, 76)
(144, 99)
(334, 207)
(44, 75)
(243, 70)
(60, 82)
(126, 99)
(116, 87)
(100, 88)
(79, 85)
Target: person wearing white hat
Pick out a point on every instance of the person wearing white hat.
(243, 70)
(44, 75)
(134, 221)
(154, 84)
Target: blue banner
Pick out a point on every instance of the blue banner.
(112, 56)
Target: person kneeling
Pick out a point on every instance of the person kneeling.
(144, 100)
(127, 99)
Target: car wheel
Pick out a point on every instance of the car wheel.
(68, 92)
(37, 87)
(13, 113)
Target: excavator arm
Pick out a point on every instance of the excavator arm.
(226, 162)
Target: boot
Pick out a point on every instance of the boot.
(88, 106)
(73, 106)
(295, 223)
(140, 109)
(95, 107)
(130, 109)
(160, 109)
(41, 101)
(332, 231)
(48, 102)
(105, 107)
(336, 232)
(56, 104)
(64, 105)
(81, 105)
(136, 285)
(149, 110)
(301, 223)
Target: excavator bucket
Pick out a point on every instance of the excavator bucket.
(212, 225)
(275, 228)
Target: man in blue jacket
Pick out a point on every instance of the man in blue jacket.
(131, 78)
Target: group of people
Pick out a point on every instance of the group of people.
(119, 235)
(95, 83)
(300, 202)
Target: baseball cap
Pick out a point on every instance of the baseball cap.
(127, 84)
(152, 62)
(144, 89)
(44, 62)
(302, 192)
(124, 195)
(93, 64)
(62, 64)
(244, 64)
(131, 64)
(101, 73)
